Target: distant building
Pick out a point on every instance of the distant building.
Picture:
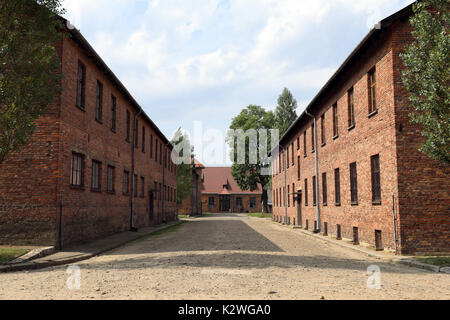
(192, 205)
(221, 193)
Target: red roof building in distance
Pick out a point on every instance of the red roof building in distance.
(221, 193)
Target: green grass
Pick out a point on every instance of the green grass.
(8, 254)
(183, 216)
(260, 215)
(443, 261)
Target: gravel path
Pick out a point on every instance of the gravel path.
(228, 258)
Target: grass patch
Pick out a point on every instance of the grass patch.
(260, 215)
(183, 216)
(8, 254)
(443, 261)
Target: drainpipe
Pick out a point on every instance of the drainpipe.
(317, 172)
(133, 191)
(285, 185)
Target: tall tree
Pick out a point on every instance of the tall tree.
(249, 174)
(30, 77)
(426, 76)
(285, 113)
(185, 153)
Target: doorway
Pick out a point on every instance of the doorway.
(225, 203)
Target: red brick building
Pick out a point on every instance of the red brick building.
(221, 193)
(74, 180)
(192, 205)
(364, 165)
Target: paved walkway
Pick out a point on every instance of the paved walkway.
(84, 251)
(229, 258)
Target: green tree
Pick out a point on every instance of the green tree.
(285, 113)
(185, 153)
(426, 76)
(248, 175)
(30, 77)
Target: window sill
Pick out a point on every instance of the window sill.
(354, 203)
(351, 127)
(373, 113)
(376, 203)
(113, 130)
(335, 137)
(81, 108)
(77, 187)
(323, 144)
(96, 190)
(111, 192)
(325, 205)
(99, 121)
(126, 194)
(305, 155)
(337, 204)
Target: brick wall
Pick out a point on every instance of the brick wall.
(37, 180)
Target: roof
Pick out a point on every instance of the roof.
(84, 44)
(367, 41)
(198, 165)
(219, 180)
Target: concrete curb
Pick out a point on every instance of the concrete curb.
(35, 265)
(33, 254)
(394, 259)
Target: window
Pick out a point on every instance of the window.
(160, 192)
(113, 113)
(128, 126)
(288, 196)
(126, 182)
(99, 102)
(239, 202)
(313, 144)
(376, 185)
(81, 86)
(77, 170)
(110, 177)
(322, 129)
(293, 194)
(252, 202)
(160, 153)
(293, 157)
(324, 188)
(306, 192)
(314, 191)
(142, 187)
(135, 185)
(353, 184)
(298, 142)
(298, 168)
(156, 150)
(143, 139)
(96, 175)
(136, 133)
(165, 157)
(372, 83)
(335, 121)
(337, 187)
(151, 146)
(281, 164)
(305, 154)
(286, 153)
(211, 202)
(351, 109)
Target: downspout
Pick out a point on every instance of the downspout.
(285, 185)
(133, 191)
(316, 150)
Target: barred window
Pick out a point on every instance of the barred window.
(314, 191)
(335, 121)
(110, 177)
(142, 187)
(376, 185)
(298, 168)
(351, 108)
(81, 86)
(77, 170)
(372, 86)
(337, 187)
(113, 113)
(353, 183)
(96, 175)
(324, 188)
(305, 153)
(99, 102)
(126, 182)
(322, 129)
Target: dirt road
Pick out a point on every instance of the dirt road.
(227, 258)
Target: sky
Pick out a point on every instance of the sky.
(198, 63)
